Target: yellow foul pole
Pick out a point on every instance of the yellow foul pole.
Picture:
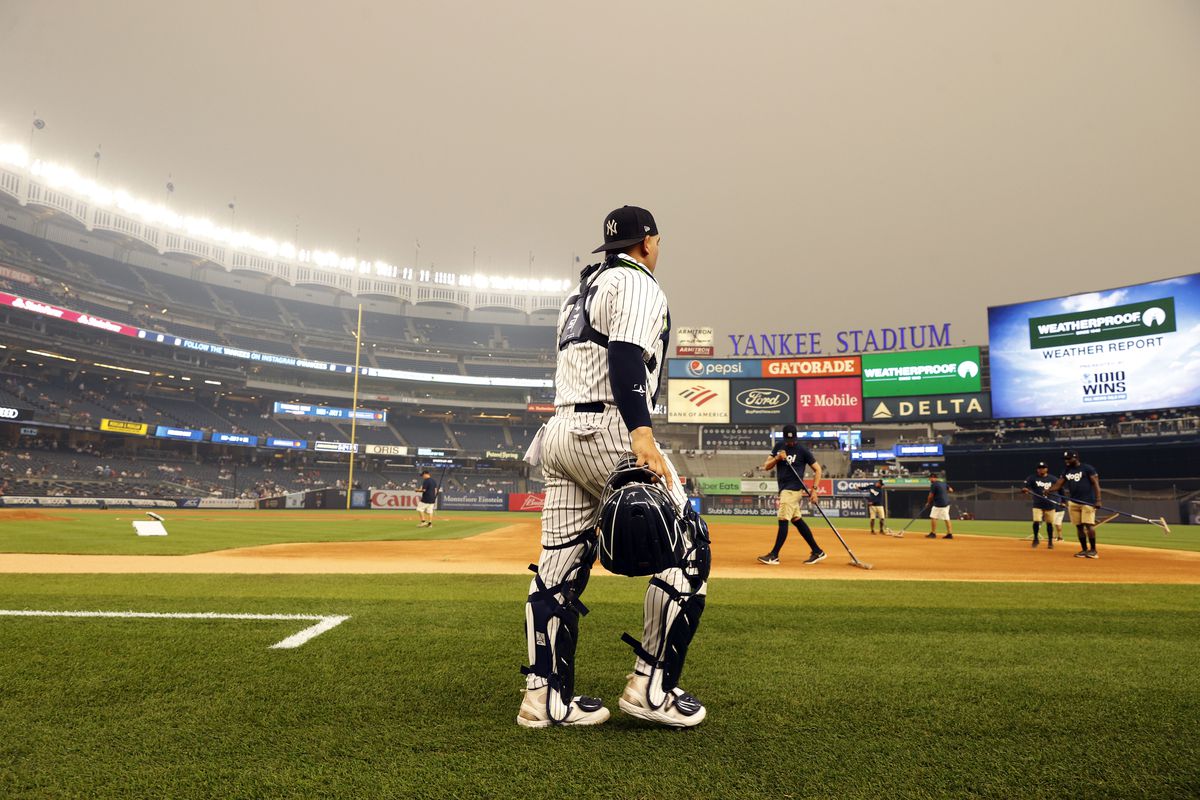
(354, 406)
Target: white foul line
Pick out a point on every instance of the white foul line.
(324, 622)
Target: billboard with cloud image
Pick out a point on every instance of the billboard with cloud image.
(1128, 349)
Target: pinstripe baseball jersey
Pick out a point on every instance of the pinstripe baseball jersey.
(627, 306)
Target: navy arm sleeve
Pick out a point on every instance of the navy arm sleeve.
(627, 378)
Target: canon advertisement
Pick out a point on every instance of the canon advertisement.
(1126, 349)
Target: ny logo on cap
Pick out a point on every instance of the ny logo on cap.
(611, 227)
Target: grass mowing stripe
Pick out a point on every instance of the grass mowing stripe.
(815, 688)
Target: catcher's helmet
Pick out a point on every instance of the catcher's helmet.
(639, 526)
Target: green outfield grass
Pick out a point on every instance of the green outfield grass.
(110, 532)
(89, 532)
(814, 688)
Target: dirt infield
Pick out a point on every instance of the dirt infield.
(509, 549)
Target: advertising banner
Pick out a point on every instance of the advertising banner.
(540, 408)
(828, 400)
(769, 402)
(771, 486)
(186, 434)
(871, 455)
(394, 499)
(242, 439)
(1126, 349)
(47, 310)
(855, 486)
(335, 447)
(698, 401)
(10, 413)
(937, 407)
(330, 412)
(501, 455)
(693, 341)
(917, 450)
(16, 275)
(719, 485)
(519, 501)
(124, 426)
(812, 367)
(714, 368)
(954, 370)
(742, 505)
(288, 444)
(386, 450)
(472, 502)
(844, 506)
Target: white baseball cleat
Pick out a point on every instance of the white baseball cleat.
(582, 710)
(679, 710)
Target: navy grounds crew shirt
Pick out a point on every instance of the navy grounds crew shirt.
(1079, 482)
(1037, 486)
(428, 490)
(798, 456)
(941, 494)
(875, 496)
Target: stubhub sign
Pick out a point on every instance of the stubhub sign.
(714, 368)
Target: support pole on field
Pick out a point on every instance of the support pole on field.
(354, 406)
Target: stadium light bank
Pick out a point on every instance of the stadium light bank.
(63, 179)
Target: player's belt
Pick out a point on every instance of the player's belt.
(589, 408)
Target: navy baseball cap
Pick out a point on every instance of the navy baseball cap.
(625, 226)
(1067, 456)
(789, 431)
(1042, 465)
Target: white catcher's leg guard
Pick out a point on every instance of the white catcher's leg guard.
(674, 602)
(552, 628)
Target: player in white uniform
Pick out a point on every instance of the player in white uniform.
(613, 335)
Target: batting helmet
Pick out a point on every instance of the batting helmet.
(639, 526)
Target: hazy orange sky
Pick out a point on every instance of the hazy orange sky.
(814, 166)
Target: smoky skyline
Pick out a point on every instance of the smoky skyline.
(812, 166)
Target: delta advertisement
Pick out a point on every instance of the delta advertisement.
(941, 407)
(1126, 349)
(950, 371)
(698, 401)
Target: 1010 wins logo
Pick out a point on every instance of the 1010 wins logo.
(1104, 386)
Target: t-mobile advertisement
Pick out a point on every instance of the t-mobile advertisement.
(1126, 349)
(829, 400)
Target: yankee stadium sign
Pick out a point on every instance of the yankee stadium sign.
(863, 340)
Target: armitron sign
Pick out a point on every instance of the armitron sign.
(919, 409)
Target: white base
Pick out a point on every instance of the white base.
(145, 528)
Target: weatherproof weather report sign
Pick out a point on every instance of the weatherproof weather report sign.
(950, 371)
(1126, 349)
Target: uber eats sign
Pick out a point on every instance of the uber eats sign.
(955, 370)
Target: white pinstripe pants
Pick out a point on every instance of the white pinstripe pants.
(578, 454)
